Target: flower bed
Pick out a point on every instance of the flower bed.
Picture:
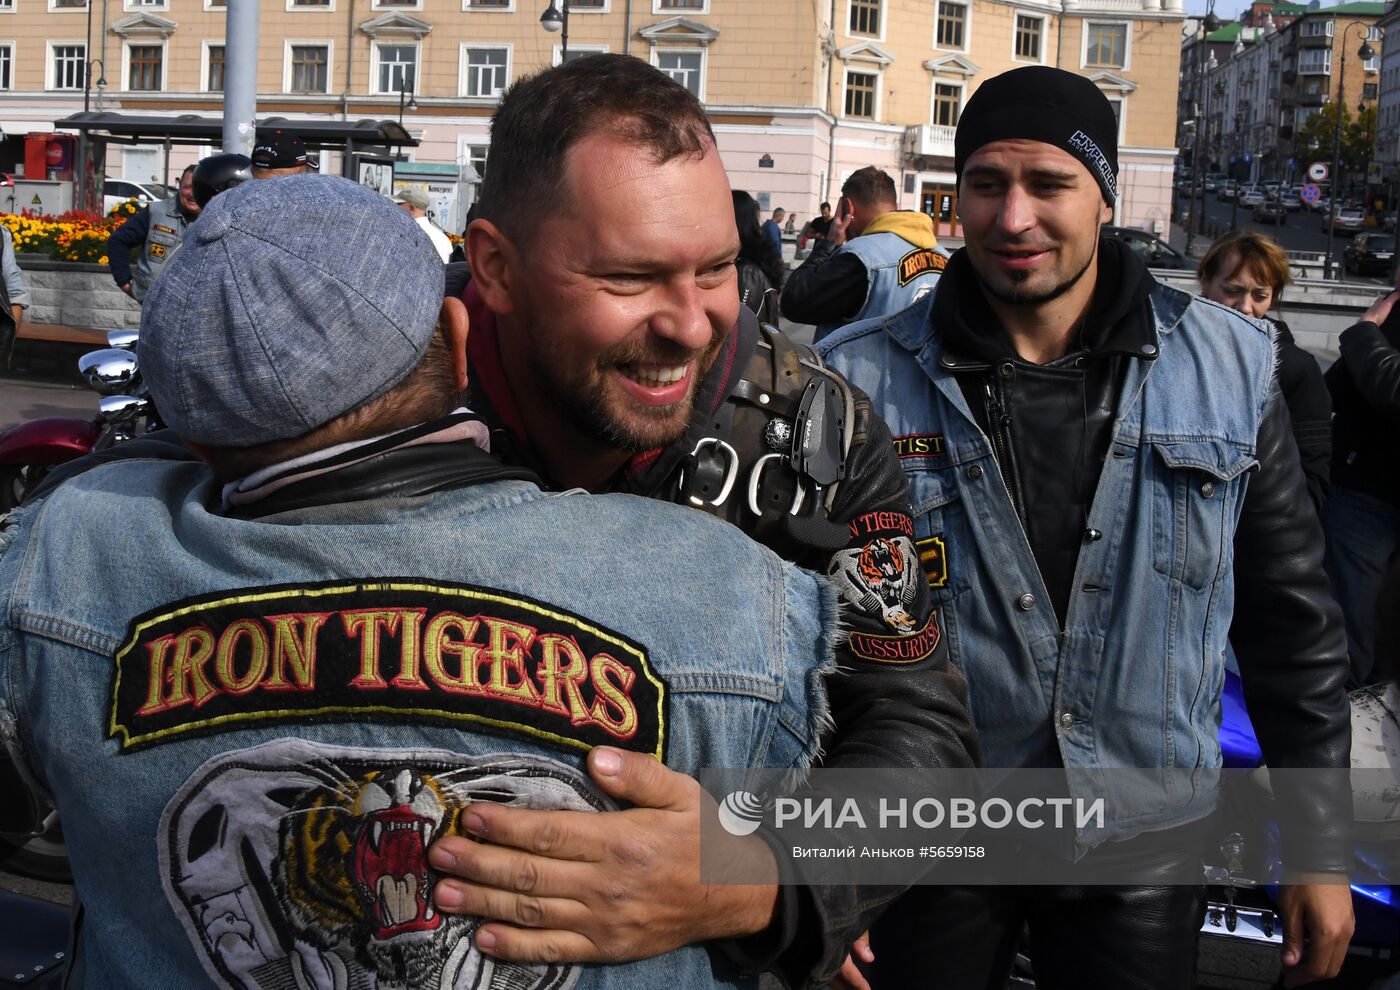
(73, 236)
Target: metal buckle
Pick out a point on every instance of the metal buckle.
(730, 474)
(756, 482)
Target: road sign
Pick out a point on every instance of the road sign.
(1317, 171)
(1310, 194)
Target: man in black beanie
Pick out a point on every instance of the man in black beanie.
(1108, 472)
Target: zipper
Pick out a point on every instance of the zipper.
(999, 421)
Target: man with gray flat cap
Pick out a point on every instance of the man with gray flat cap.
(260, 696)
(1120, 500)
(414, 202)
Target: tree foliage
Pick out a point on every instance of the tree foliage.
(1358, 138)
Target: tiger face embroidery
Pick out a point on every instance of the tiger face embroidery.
(879, 576)
(293, 864)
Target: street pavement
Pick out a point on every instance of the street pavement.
(26, 396)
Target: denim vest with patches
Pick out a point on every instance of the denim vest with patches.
(252, 729)
(1134, 678)
(894, 277)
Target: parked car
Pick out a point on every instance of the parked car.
(1369, 254)
(1151, 248)
(1271, 188)
(1349, 220)
(1228, 190)
(1251, 196)
(1290, 200)
(1269, 211)
(1388, 224)
(1213, 181)
(116, 191)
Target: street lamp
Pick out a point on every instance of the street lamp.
(1364, 52)
(412, 103)
(552, 20)
(1195, 222)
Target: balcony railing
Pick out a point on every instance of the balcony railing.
(929, 141)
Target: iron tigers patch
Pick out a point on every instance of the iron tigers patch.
(384, 650)
(918, 262)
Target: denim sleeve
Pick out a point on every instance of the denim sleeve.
(9, 270)
(19, 812)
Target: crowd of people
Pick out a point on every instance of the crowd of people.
(414, 640)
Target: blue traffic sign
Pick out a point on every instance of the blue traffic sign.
(1310, 193)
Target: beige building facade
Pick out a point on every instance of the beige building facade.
(801, 92)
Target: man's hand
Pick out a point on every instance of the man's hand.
(849, 977)
(127, 289)
(570, 886)
(1317, 926)
(840, 223)
(1380, 309)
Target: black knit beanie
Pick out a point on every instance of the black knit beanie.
(1041, 103)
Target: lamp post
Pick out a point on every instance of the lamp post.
(412, 103)
(1364, 52)
(553, 20)
(1195, 220)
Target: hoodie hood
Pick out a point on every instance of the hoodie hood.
(914, 227)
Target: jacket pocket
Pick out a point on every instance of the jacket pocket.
(1195, 485)
(940, 531)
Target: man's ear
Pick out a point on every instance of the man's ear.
(492, 259)
(453, 323)
(1105, 212)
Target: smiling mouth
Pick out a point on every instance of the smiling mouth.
(654, 375)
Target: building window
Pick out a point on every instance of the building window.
(487, 71)
(144, 68)
(131, 4)
(397, 3)
(1107, 45)
(577, 51)
(1116, 102)
(861, 88)
(310, 69)
(865, 17)
(681, 5)
(398, 68)
(476, 158)
(1029, 31)
(1317, 29)
(7, 5)
(68, 4)
(947, 101)
(214, 79)
(951, 29)
(1368, 91)
(1315, 61)
(487, 4)
(68, 64)
(589, 5)
(211, 4)
(682, 66)
(310, 3)
(7, 66)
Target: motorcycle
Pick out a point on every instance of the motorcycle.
(30, 450)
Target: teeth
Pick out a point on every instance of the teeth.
(398, 900)
(376, 832)
(653, 376)
(427, 830)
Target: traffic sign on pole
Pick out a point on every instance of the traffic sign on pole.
(1317, 171)
(1310, 194)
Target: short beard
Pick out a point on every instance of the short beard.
(1020, 296)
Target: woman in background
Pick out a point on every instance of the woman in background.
(760, 269)
(1248, 272)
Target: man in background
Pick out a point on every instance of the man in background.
(277, 153)
(874, 261)
(158, 231)
(414, 202)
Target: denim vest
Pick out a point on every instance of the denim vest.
(1134, 678)
(253, 729)
(892, 283)
(163, 239)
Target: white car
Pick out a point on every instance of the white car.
(115, 191)
(1251, 196)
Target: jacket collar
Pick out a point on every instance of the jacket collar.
(450, 452)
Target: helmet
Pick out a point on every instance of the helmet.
(216, 173)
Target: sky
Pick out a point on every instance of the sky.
(1224, 9)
